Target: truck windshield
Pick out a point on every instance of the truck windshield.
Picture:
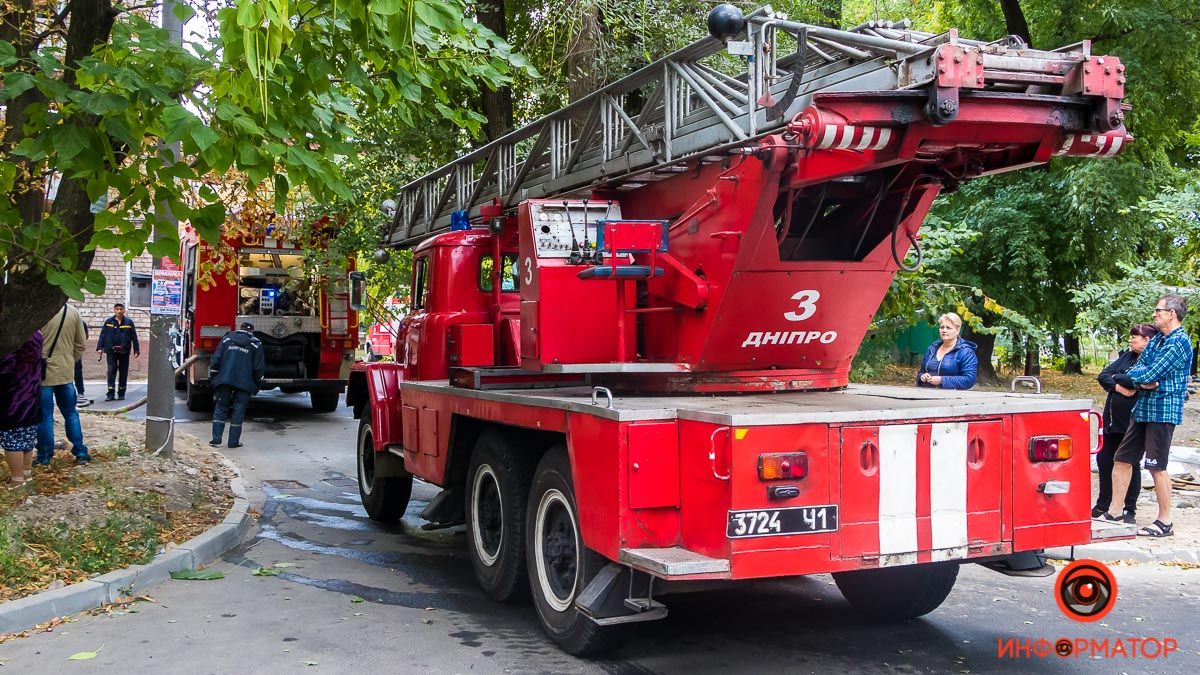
(271, 283)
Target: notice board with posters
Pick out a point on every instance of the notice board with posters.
(166, 292)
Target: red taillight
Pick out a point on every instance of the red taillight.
(783, 466)
(1049, 448)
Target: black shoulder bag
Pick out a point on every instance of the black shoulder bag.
(47, 357)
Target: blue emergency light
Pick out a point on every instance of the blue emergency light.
(458, 221)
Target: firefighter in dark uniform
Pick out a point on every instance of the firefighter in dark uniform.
(117, 339)
(238, 365)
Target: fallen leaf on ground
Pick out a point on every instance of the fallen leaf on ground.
(284, 565)
(197, 575)
(426, 621)
(265, 572)
(357, 599)
(82, 656)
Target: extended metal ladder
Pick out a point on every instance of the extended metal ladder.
(711, 97)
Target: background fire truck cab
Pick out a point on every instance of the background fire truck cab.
(627, 361)
(308, 330)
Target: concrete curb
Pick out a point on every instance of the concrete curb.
(26, 613)
(1119, 550)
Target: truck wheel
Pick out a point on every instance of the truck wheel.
(560, 566)
(199, 398)
(894, 593)
(324, 400)
(497, 490)
(385, 499)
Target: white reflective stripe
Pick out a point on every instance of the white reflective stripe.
(948, 485)
(829, 136)
(847, 138)
(1117, 142)
(897, 488)
(868, 137)
(885, 135)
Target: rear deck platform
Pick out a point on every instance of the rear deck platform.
(856, 403)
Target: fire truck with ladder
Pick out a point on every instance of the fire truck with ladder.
(308, 330)
(626, 361)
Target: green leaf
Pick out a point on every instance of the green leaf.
(356, 600)
(265, 572)
(8, 54)
(197, 575)
(94, 282)
(70, 141)
(82, 656)
(183, 12)
(204, 137)
(8, 174)
(387, 7)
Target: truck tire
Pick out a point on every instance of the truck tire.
(497, 491)
(199, 398)
(894, 593)
(560, 566)
(324, 400)
(385, 499)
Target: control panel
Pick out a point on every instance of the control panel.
(561, 227)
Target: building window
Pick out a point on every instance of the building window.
(137, 293)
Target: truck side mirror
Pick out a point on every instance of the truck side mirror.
(358, 291)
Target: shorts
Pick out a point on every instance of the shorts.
(1152, 439)
(19, 440)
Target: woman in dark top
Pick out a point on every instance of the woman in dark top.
(949, 363)
(20, 407)
(1118, 408)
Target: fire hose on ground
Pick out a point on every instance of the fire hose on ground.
(142, 401)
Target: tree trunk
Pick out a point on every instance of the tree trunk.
(497, 105)
(1014, 20)
(1033, 364)
(987, 346)
(583, 49)
(28, 300)
(1074, 360)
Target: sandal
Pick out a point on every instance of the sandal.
(1157, 529)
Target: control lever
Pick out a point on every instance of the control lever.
(575, 258)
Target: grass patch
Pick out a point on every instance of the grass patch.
(33, 555)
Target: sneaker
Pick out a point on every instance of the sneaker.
(120, 397)
(1129, 518)
(109, 397)
(215, 444)
(235, 445)
(83, 459)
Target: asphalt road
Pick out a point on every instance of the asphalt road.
(361, 598)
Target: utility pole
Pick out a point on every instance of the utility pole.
(160, 377)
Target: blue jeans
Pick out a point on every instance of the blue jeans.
(64, 395)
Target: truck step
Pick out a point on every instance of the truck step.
(1109, 530)
(673, 561)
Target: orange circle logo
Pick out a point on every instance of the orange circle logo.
(1086, 590)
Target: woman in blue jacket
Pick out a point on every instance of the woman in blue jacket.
(949, 363)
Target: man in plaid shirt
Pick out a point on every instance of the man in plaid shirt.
(1162, 375)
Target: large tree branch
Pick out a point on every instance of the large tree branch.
(1014, 20)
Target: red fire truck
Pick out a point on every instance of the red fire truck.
(632, 323)
(308, 330)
